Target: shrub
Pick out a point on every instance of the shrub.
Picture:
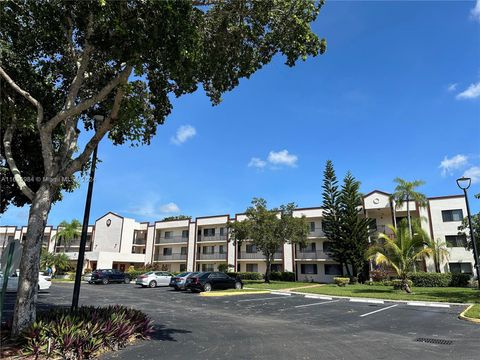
(459, 280)
(282, 276)
(71, 276)
(397, 284)
(426, 279)
(133, 274)
(378, 275)
(85, 332)
(246, 275)
(340, 281)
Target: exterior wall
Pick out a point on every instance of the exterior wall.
(108, 238)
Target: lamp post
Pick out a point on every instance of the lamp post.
(86, 218)
(464, 183)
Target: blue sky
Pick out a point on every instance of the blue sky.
(396, 94)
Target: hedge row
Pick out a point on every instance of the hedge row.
(246, 275)
(426, 279)
(274, 275)
(282, 276)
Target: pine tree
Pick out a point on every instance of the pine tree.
(354, 228)
(331, 214)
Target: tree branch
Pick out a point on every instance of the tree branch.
(77, 163)
(7, 143)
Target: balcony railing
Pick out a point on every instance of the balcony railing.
(161, 257)
(214, 256)
(258, 255)
(212, 238)
(170, 239)
(318, 254)
(73, 247)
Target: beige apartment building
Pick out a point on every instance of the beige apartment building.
(202, 244)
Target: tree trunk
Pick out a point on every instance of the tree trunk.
(268, 270)
(25, 306)
(410, 229)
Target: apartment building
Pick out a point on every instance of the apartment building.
(202, 244)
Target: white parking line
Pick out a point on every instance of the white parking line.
(318, 297)
(370, 301)
(428, 304)
(319, 303)
(373, 312)
(280, 293)
(268, 298)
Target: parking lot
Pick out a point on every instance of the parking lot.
(275, 326)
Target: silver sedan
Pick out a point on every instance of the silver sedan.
(154, 278)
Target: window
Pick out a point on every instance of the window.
(223, 231)
(333, 269)
(312, 226)
(308, 268)
(322, 225)
(208, 249)
(183, 250)
(452, 215)
(252, 267)
(373, 225)
(456, 240)
(183, 267)
(327, 246)
(167, 251)
(168, 234)
(463, 268)
(209, 232)
(184, 234)
(276, 267)
(251, 249)
(221, 249)
(207, 267)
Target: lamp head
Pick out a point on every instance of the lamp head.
(464, 182)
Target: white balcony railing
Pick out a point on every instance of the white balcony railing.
(258, 255)
(161, 257)
(312, 255)
(214, 256)
(170, 239)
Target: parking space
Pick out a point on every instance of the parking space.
(268, 326)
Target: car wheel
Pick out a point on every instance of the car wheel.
(152, 284)
(176, 289)
(127, 280)
(207, 287)
(238, 285)
(104, 281)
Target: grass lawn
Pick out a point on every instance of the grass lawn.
(447, 294)
(273, 285)
(62, 280)
(473, 312)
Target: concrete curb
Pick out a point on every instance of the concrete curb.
(384, 300)
(232, 293)
(466, 318)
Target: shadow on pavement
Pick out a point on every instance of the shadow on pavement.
(165, 334)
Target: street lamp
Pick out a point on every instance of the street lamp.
(86, 219)
(464, 183)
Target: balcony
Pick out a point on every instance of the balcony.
(170, 239)
(214, 256)
(257, 256)
(312, 255)
(212, 238)
(74, 246)
(172, 257)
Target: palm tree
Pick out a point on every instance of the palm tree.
(402, 251)
(404, 193)
(440, 253)
(68, 232)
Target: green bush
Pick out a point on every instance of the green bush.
(71, 276)
(430, 279)
(133, 274)
(397, 284)
(459, 280)
(85, 332)
(341, 281)
(246, 275)
(282, 276)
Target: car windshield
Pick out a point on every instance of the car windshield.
(183, 274)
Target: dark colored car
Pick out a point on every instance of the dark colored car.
(207, 281)
(179, 281)
(105, 276)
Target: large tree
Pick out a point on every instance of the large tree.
(354, 227)
(331, 222)
(464, 229)
(405, 191)
(64, 62)
(68, 231)
(269, 229)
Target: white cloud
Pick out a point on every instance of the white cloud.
(473, 173)
(282, 158)
(452, 87)
(169, 208)
(258, 163)
(475, 12)
(184, 133)
(456, 162)
(472, 92)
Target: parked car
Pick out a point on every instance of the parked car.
(207, 281)
(87, 277)
(179, 282)
(105, 276)
(154, 278)
(44, 282)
